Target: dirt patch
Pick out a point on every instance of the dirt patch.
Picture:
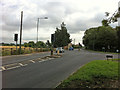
(96, 83)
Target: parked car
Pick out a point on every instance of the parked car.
(71, 48)
(61, 50)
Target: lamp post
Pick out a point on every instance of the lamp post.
(38, 26)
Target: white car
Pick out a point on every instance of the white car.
(61, 50)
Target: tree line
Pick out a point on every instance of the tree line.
(102, 38)
(105, 37)
(39, 44)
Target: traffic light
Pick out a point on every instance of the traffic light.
(16, 37)
(52, 38)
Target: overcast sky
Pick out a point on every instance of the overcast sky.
(78, 16)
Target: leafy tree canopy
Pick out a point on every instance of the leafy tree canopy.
(62, 37)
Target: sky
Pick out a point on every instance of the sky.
(78, 15)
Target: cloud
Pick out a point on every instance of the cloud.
(78, 16)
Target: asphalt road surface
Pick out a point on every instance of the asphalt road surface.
(49, 73)
(18, 58)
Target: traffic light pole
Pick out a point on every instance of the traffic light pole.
(16, 45)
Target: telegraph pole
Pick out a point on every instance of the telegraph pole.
(21, 31)
(37, 29)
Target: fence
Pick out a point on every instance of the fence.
(13, 51)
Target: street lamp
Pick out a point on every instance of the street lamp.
(38, 25)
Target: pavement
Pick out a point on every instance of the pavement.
(46, 73)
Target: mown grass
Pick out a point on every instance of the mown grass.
(92, 74)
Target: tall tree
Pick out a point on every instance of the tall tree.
(62, 37)
(103, 36)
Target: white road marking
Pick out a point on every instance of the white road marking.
(21, 64)
(12, 67)
(32, 61)
(51, 58)
(25, 64)
(3, 68)
(40, 61)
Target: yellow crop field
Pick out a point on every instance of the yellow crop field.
(11, 47)
(11, 50)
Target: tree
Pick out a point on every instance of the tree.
(104, 36)
(41, 44)
(105, 22)
(114, 16)
(62, 37)
(80, 45)
(25, 44)
(31, 44)
(48, 43)
(97, 38)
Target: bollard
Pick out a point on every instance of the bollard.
(51, 52)
(57, 52)
(2, 51)
(11, 50)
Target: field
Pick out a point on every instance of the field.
(11, 47)
(11, 50)
(96, 74)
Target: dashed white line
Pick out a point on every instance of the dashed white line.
(3, 68)
(21, 64)
(32, 61)
(40, 61)
(25, 64)
(12, 67)
(51, 58)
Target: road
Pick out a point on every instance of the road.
(48, 74)
(17, 58)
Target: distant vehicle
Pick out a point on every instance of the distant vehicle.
(61, 50)
(71, 48)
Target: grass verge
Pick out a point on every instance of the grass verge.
(102, 52)
(96, 74)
